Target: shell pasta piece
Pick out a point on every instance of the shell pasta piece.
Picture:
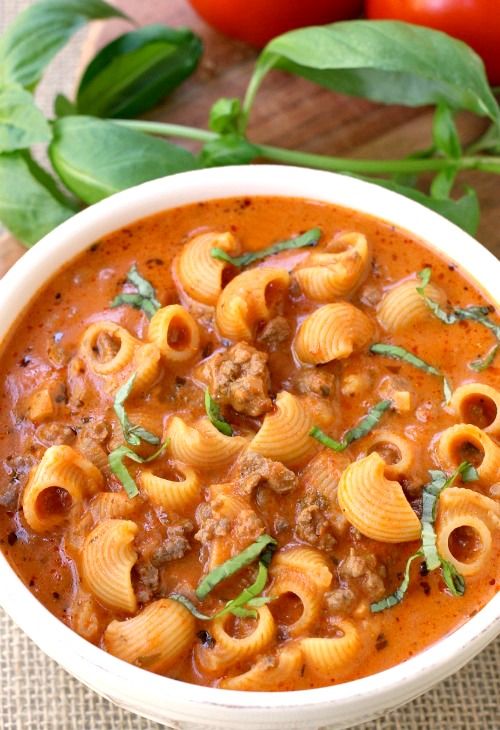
(332, 332)
(375, 505)
(200, 274)
(284, 434)
(327, 656)
(173, 495)
(479, 404)
(201, 445)
(111, 505)
(107, 348)
(106, 561)
(473, 518)
(62, 478)
(175, 333)
(289, 582)
(337, 270)
(229, 649)
(250, 299)
(270, 673)
(465, 442)
(397, 452)
(402, 306)
(311, 562)
(155, 639)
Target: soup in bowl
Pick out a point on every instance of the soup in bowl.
(250, 423)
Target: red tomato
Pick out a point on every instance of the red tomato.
(257, 21)
(477, 22)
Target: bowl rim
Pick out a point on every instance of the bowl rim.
(62, 244)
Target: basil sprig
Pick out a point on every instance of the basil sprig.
(309, 238)
(143, 298)
(399, 353)
(363, 428)
(459, 314)
(215, 416)
(133, 434)
(115, 460)
(428, 550)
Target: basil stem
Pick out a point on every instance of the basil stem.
(215, 416)
(133, 434)
(115, 460)
(233, 565)
(399, 353)
(363, 428)
(309, 238)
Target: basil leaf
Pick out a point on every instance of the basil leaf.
(214, 414)
(247, 594)
(233, 565)
(40, 31)
(133, 434)
(184, 600)
(224, 116)
(309, 238)
(231, 149)
(444, 132)
(483, 363)
(143, 286)
(442, 183)
(21, 121)
(363, 428)
(454, 581)
(144, 298)
(399, 353)
(96, 158)
(63, 107)
(137, 70)
(30, 203)
(399, 593)
(385, 61)
(135, 301)
(115, 461)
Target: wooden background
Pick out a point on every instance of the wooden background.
(288, 112)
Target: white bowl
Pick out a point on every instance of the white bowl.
(178, 704)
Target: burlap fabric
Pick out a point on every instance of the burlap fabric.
(36, 694)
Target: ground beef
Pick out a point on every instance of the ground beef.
(313, 525)
(341, 600)
(364, 574)
(276, 331)
(175, 546)
(247, 527)
(55, 433)
(239, 377)
(316, 381)
(18, 469)
(210, 526)
(257, 471)
(106, 347)
(96, 430)
(147, 581)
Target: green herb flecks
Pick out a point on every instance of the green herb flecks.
(115, 460)
(233, 565)
(215, 416)
(309, 238)
(459, 314)
(133, 434)
(399, 353)
(399, 593)
(363, 428)
(143, 298)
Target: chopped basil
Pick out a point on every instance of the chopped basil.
(399, 353)
(458, 314)
(144, 298)
(399, 593)
(233, 565)
(187, 603)
(133, 434)
(363, 428)
(309, 238)
(215, 416)
(115, 460)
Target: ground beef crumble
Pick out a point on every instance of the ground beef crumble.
(257, 471)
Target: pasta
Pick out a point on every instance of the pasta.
(200, 274)
(307, 560)
(269, 673)
(284, 434)
(397, 452)
(250, 299)
(402, 306)
(328, 656)
(337, 271)
(173, 495)
(154, 639)
(465, 442)
(478, 404)
(474, 518)
(175, 333)
(375, 505)
(332, 332)
(201, 446)
(107, 348)
(287, 582)
(107, 559)
(61, 479)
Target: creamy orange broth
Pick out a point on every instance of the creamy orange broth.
(81, 293)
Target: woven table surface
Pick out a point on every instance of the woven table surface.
(36, 694)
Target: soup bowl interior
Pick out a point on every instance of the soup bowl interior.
(176, 703)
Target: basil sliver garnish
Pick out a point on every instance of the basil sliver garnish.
(144, 298)
(115, 460)
(215, 416)
(394, 598)
(309, 238)
(233, 565)
(133, 434)
(363, 428)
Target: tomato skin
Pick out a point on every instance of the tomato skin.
(257, 21)
(477, 22)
